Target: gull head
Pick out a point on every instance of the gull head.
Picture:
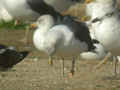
(45, 20)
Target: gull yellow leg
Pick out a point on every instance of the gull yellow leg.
(103, 61)
(50, 61)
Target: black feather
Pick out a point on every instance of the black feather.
(9, 57)
(80, 30)
(42, 8)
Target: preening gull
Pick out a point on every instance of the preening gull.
(10, 57)
(101, 52)
(66, 38)
(107, 25)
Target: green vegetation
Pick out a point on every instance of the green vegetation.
(12, 26)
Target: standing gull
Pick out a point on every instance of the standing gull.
(66, 38)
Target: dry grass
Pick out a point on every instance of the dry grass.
(77, 10)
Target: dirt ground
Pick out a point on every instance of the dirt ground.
(34, 73)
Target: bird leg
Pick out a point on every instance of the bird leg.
(50, 61)
(73, 67)
(116, 64)
(63, 65)
(103, 61)
(52, 52)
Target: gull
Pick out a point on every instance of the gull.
(64, 38)
(106, 20)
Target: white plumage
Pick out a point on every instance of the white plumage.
(52, 38)
(107, 30)
(60, 39)
(101, 52)
(4, 14)
(107, 26)
(98, 55)
(18, 8)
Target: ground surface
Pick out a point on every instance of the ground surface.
(34, 73)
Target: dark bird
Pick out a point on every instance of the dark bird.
(10, 57)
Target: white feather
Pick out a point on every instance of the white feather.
(57, 39)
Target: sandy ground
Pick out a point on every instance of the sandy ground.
(34, 73)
